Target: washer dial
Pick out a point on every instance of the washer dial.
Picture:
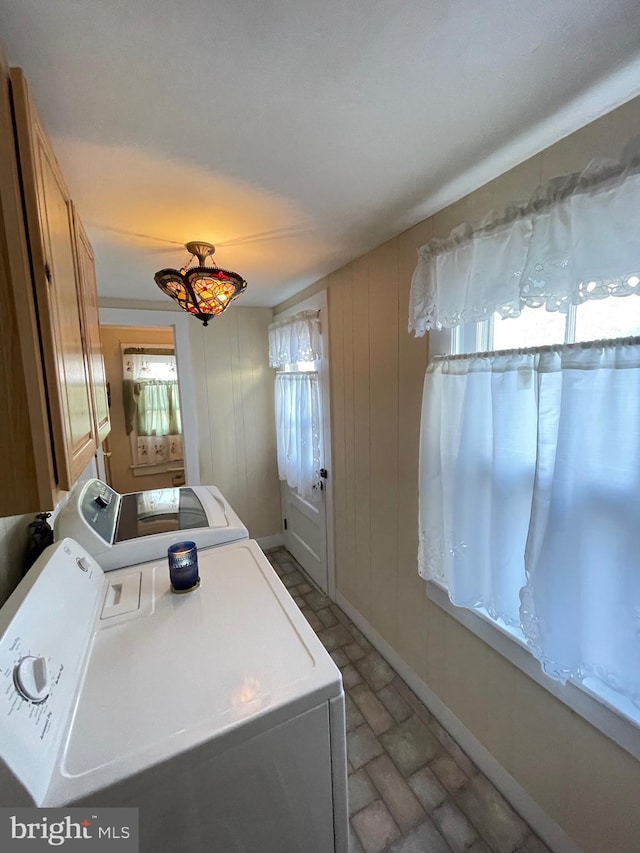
(31, 677)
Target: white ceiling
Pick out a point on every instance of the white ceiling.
(298, 135)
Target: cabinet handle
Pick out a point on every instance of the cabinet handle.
(47, 272)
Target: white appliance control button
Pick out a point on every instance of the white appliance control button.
(84, 563)
(32, 678)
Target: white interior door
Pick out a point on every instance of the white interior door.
(305, 533)
(307, 523)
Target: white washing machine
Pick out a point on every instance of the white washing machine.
(218, 713)
(121, 530)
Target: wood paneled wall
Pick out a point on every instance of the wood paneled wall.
(584, 781)
(236, 421)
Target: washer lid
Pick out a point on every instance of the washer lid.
(236, 652)
(161, 511)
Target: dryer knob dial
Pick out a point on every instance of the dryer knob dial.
(31, 678)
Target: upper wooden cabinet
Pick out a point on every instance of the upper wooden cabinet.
(54, 376)
(25, 439)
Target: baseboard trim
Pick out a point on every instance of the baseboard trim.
(551, 833)
(274, 541)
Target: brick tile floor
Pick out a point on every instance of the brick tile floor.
(411, 788)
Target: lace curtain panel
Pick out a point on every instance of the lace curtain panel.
(576, 239)
(158, 437)
(294, 339)
(530, 500)
(152, 407)
(298, 431)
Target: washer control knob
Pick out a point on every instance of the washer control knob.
(102, 501)
(31, 678)
(84, 563)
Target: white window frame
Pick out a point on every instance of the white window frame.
(593, 706)
(300, 367)
(479, 337)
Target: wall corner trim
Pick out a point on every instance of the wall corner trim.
(550, 832)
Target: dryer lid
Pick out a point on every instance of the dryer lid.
(194, 668)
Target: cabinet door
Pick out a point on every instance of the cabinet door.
(50, 227)
(91, 318)
(28, 478)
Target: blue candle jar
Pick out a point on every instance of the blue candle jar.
(183, 566)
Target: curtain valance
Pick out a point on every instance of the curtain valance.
(295, 338)
(575, 239)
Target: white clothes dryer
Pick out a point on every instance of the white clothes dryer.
(217, 713)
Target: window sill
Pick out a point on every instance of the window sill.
(144, 470)
(623, 730)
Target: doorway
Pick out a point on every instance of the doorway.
(128, 463)
(307, 523)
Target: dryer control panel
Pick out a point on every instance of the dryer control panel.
(45, 632)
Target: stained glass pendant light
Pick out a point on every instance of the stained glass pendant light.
(204, 291)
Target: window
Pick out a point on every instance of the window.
(530, 443)
(612, 485)
(295, 347)
(615, 317)
(152, 408)
(300, 367)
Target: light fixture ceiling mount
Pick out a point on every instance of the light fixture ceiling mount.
(204, 291)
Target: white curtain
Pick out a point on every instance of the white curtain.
(152, 406)
(294, 339)
(157, 435)
(576, 239)
(530, 500)
(298, 431)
